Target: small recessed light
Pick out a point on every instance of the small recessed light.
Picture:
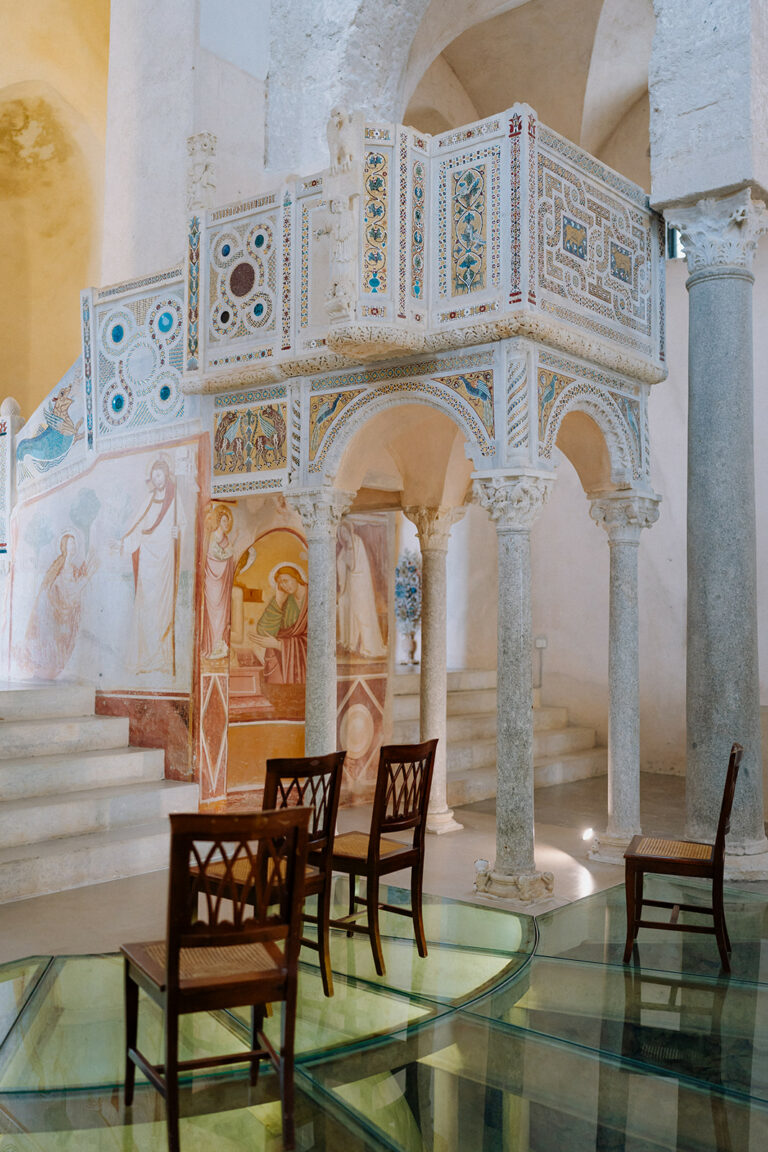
(588, 834)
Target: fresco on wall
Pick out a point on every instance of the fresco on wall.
(364, 564)
(220, 550)
(132, 517)
(50, 436)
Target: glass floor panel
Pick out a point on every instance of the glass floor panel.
(512, 1034)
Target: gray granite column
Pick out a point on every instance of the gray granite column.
(623, 516)
(720, 238)
(514, 503)
(433, 526)
(321, 511)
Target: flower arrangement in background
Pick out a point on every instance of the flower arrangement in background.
(408, 598)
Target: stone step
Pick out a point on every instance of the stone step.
(46, 737)
(73, 861)
(459, 679)
(79, 813)
(46, 775)
(572, 766)
(480, 730)
(459, 703)
(30, 700)
(468, 786)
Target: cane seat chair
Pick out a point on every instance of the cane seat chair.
(403, 783)
(313, 782)
(682, 858)
(207, 962)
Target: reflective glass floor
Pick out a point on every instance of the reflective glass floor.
(513, 1035)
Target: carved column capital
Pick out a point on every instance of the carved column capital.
(201, 171)
(513, 502)
(320, 509)
(624, 516)
(721, 231)
(433, 525)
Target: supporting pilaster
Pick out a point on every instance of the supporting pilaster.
(514, 502)
(623, 516)
(433, 526)
(321, 511)
(720, 238)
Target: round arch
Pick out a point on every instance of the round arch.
(597, 437)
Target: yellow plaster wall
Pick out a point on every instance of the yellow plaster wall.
(53, 90)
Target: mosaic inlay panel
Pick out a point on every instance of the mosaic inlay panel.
(375, 192)
(469, 247)
(417, 229)
(242, 280)
(594, 254)
(139, 362)
(476, 388)
(250, 439)
(323, 410)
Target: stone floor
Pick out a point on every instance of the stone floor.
(101, 917)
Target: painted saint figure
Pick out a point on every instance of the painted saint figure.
(219, 575)
(153, 543)
(281, 632)
(359, 631)
(55, 620)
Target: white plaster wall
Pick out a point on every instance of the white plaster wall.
(472, 591)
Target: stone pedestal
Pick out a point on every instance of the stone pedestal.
(720, 237)
(514, 503)
(321, 512)
(623, 516)
(433, 526)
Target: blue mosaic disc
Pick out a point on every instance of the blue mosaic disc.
(117, 333)
(225, 249)
(259, 241)
(165, 392)
(118, 402)
(165, 323)
(258, 309)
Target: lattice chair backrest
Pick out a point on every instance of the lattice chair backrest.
(257, 898)
(311, 782)
(724, 823)
(403, 784)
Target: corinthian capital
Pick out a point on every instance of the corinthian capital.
(624, 516)
(722, 231)
(513, 502)
(320, 509)
(433, 525)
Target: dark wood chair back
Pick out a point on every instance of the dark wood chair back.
(724, 823)
(264, 903)
(403, 785)
(312, 782)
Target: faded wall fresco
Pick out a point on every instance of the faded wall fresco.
(53, 436)
(364, 565)
(131, 518)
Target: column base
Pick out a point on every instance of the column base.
(752, 867)
(440, 822)
(525, 887)
(608, 849)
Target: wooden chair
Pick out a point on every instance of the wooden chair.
(682, 858)
(207, 963)
(400, 803)
(311, 781)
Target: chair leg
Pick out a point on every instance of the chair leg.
(257, 1024)
(131, 1032)
(286, 1069)
(417, 874)
(352, 888)
(721, 932)
(372, 895)
(324, 936)
(172, 1079)
(630, 889)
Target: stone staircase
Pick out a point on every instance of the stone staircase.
(562, 751)
(77, 804)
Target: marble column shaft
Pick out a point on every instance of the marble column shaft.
(720, 237)
(623, 517)
(513, 504)
(433, 526)
(321, 513)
